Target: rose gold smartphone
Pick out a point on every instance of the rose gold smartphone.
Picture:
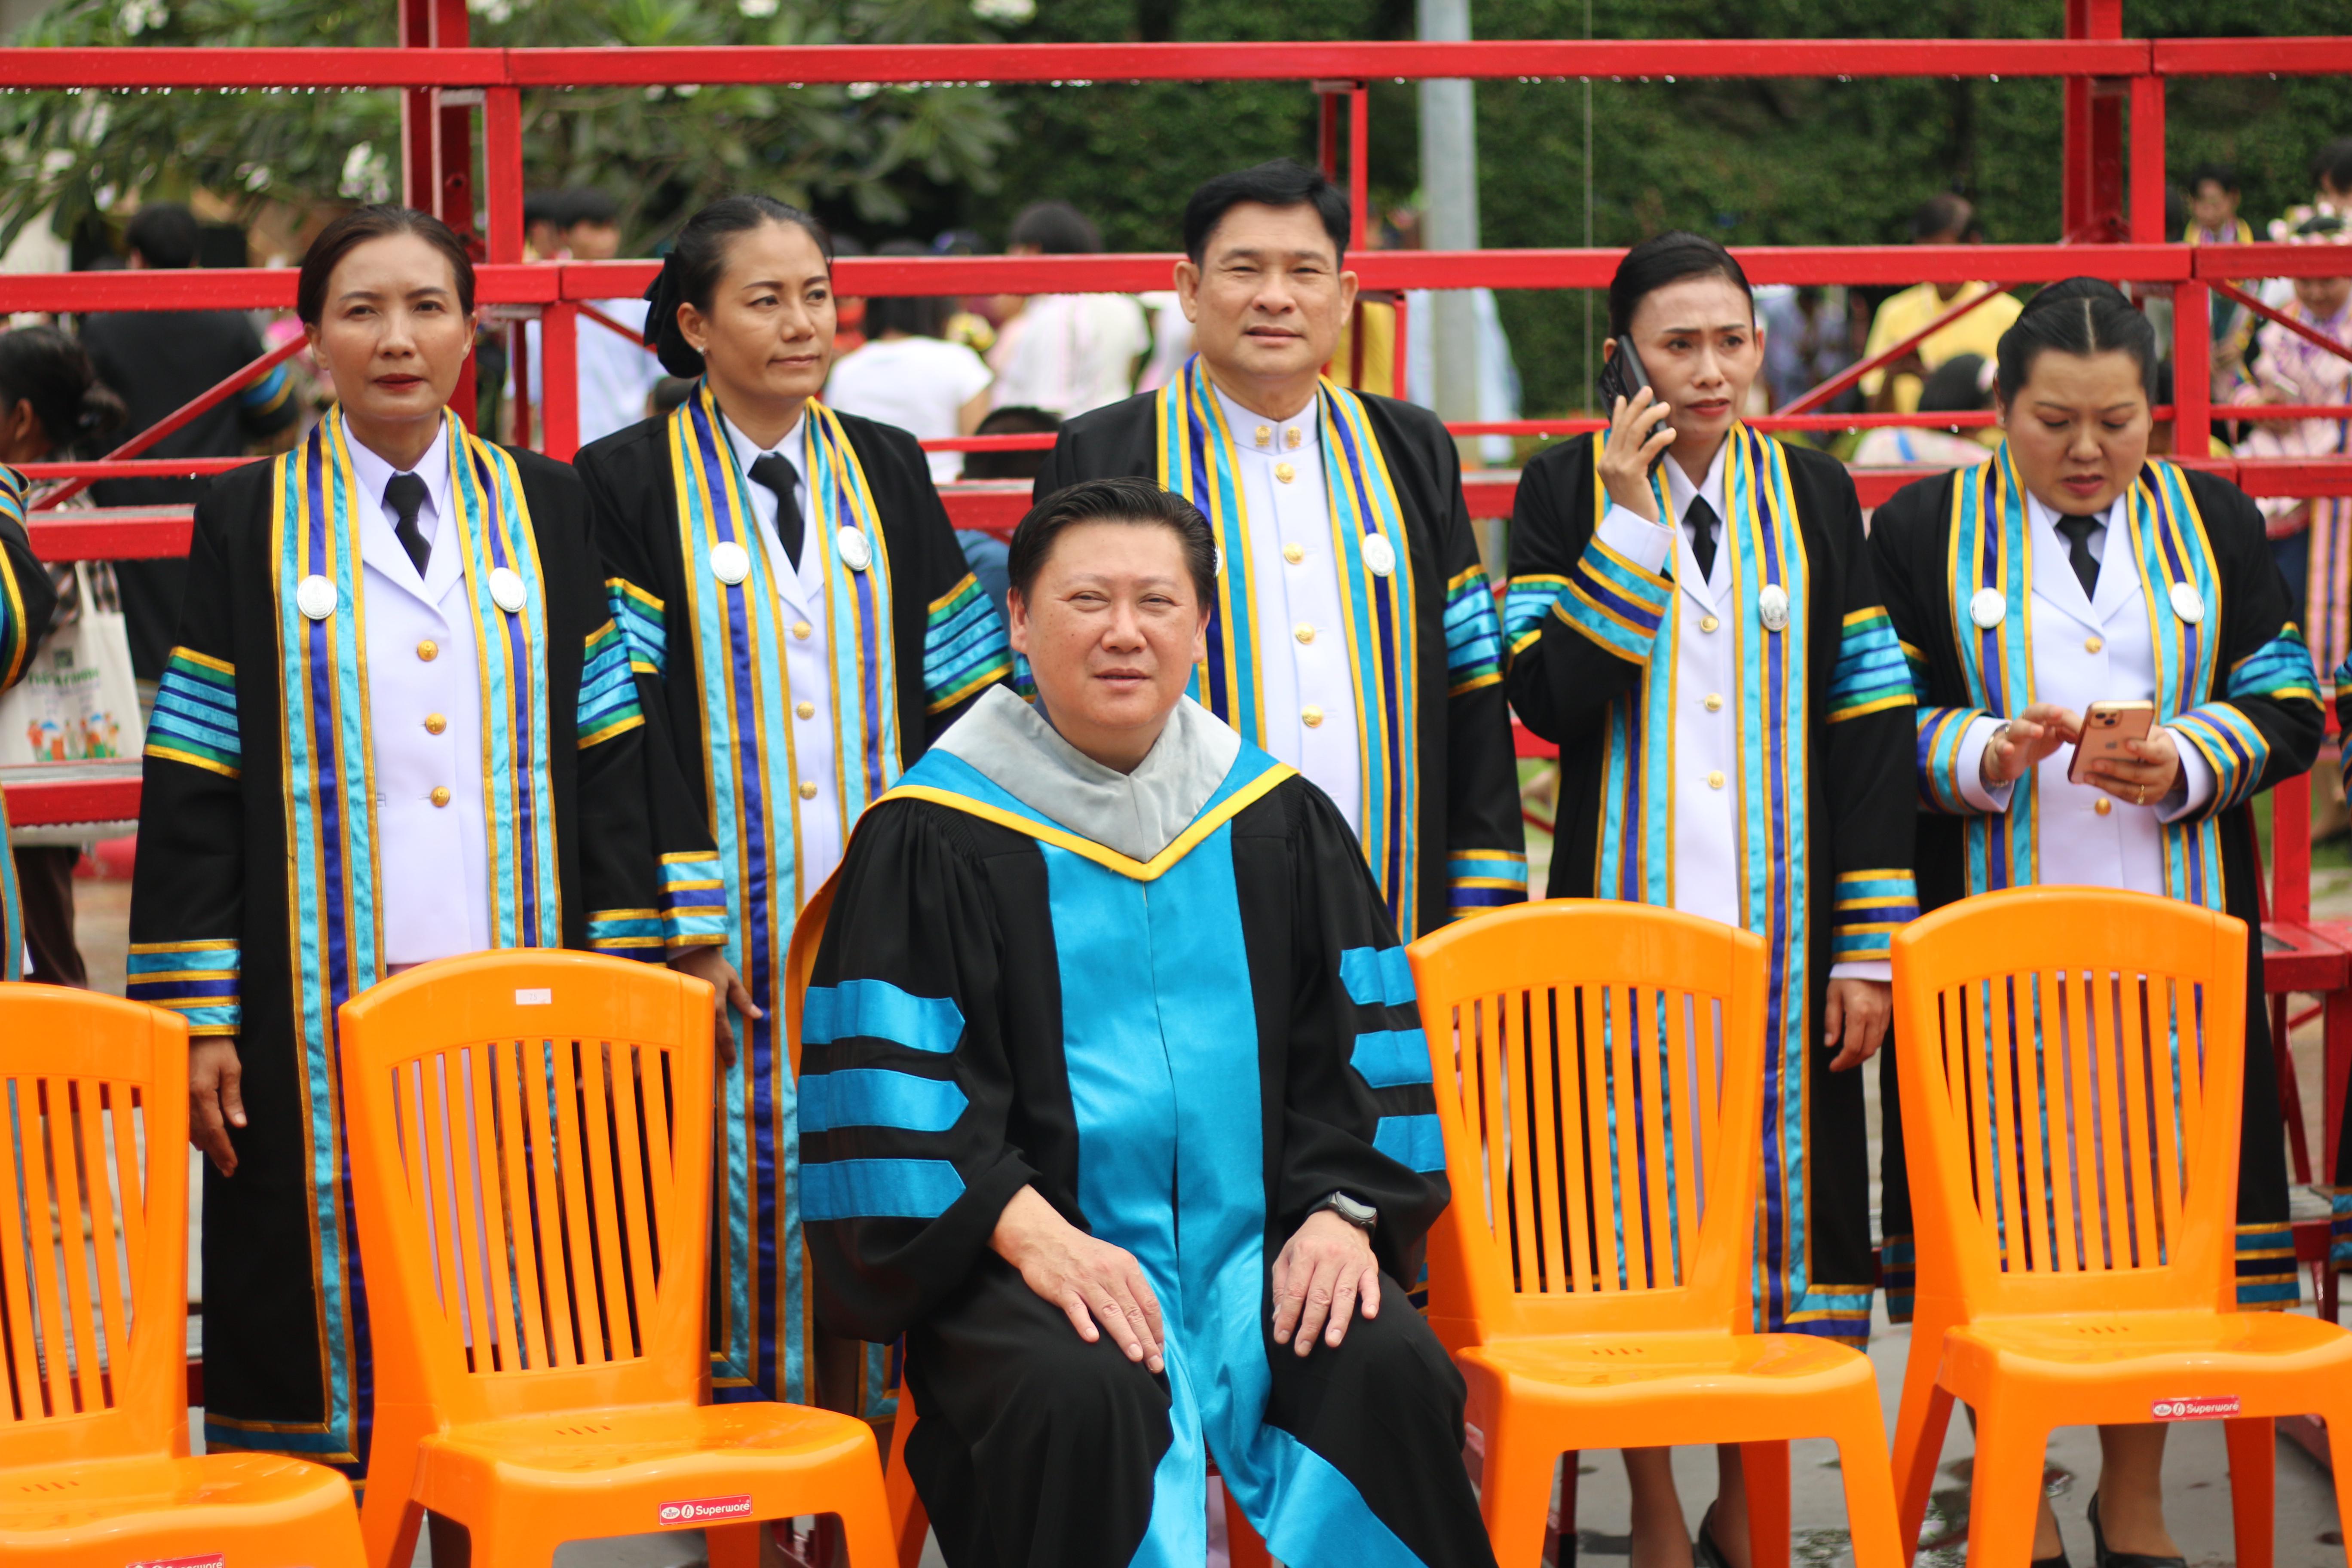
(2106, 727)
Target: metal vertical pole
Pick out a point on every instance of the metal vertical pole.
(1359, 163)
(502, 171)
(2092, 188)
(1449, 184)
(559, 397)
(416, 113)
(2147, 160)
(2192, 369)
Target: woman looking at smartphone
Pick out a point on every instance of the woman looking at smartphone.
(2112, 580)
(1691, 617)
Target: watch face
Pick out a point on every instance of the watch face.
(1354, 1213)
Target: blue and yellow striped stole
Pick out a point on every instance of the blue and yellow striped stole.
(15, 651)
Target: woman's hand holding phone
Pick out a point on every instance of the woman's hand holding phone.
(2019, 745)
(1638, 436)
(2142, 779)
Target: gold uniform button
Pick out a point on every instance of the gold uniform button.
(434, 723)
(1304, 631)
(1311, 716)
(2102, 805)
(1715, 702)
(1715, 780)
(802, 629)
(807, 709)
(1265, 434)
(1285, 472)
(1294, 553)
(2092, 645)
(808, 790)
(1708, 624)
(440, 795)
(428, 650)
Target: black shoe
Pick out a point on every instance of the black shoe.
(2057, 1561)
(2107, 1559)
(1705, 1553)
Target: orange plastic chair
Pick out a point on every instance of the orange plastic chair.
(94, 1464)
(530, 1164)
(909, 1522)
(2108, 1294)
(1598, 1070)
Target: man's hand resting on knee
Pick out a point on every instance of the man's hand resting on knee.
(1323, 1276)
(1090, 1279)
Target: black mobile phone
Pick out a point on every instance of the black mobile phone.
(1621, 375)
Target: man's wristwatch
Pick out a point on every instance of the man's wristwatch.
(1363, 1216)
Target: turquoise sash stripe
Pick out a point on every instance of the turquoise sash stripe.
(2280, 667)
(1942, 730)
(1392, 1059)
(878, 1097)
(631, 934)
(194, 721)
(964, 646)
(878, 1010)
(1378, 976)
(866, 755)
(644, 622)
(608, 688)
(16, 648)
(1526, 602)
(1474, 634)
(1871, 675)
(693, 900)
(878, 1189)
(197, 979)
(1615, 603)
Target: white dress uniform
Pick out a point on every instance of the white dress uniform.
(808, 660)
(2088, 648)
(1706, 729)
(425, 720)
(1308, 681)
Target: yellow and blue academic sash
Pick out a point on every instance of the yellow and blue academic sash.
(1634, 853)
(1196, 459)
(760, 1296)
(15, 652)
(1991, 547)
(327, 765)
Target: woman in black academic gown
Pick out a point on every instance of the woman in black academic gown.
(1691, 617)
(2073, 569)
(803, 623)
(399, 725)
(26, 600)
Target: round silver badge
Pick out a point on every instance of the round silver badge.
(2188, 603)
(1987, 608)
(1380, 555)
(1220, 570)
(315, 598)
(729, 561)
(507, 590)
(857, 552)
(1772, 607)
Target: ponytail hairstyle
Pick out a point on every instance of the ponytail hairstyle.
(42, 366)
(1664, 258)
(2082, 316)
(697, 259)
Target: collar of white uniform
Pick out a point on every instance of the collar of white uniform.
(1284, 438)
(1137, 814)
(373, 472)
(1680, 490)
(748, 452)
(2046, 520)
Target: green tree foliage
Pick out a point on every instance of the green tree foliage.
(662, 151)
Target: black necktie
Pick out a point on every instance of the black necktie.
(775, 470)
(405, 496)
(1701, 520)
(2078, 532)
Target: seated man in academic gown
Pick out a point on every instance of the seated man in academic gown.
(1114, 1101)
(1352, 630)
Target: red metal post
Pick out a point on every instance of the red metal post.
(1359, 161)
(558, 371)
(502, 171)
(416, 113)
(1397, 382)
(1327, 135)
(2147, 160)
(2192, 370)
(2094, 194)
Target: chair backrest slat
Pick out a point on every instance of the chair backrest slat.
(93, 1287)
(1598, 1072)
(502, 1109)
(2069, 1091)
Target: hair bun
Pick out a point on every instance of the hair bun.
(663, 297)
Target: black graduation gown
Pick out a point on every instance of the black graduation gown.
(1469, 834)
(1579, 688)
(215, 931)
(1911, 538)
(1185, 1059)
(948, 645)
(27, 599)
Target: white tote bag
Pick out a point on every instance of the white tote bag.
(79, 700)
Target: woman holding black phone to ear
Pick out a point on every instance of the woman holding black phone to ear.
(1691, 617)
(2133, 590)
